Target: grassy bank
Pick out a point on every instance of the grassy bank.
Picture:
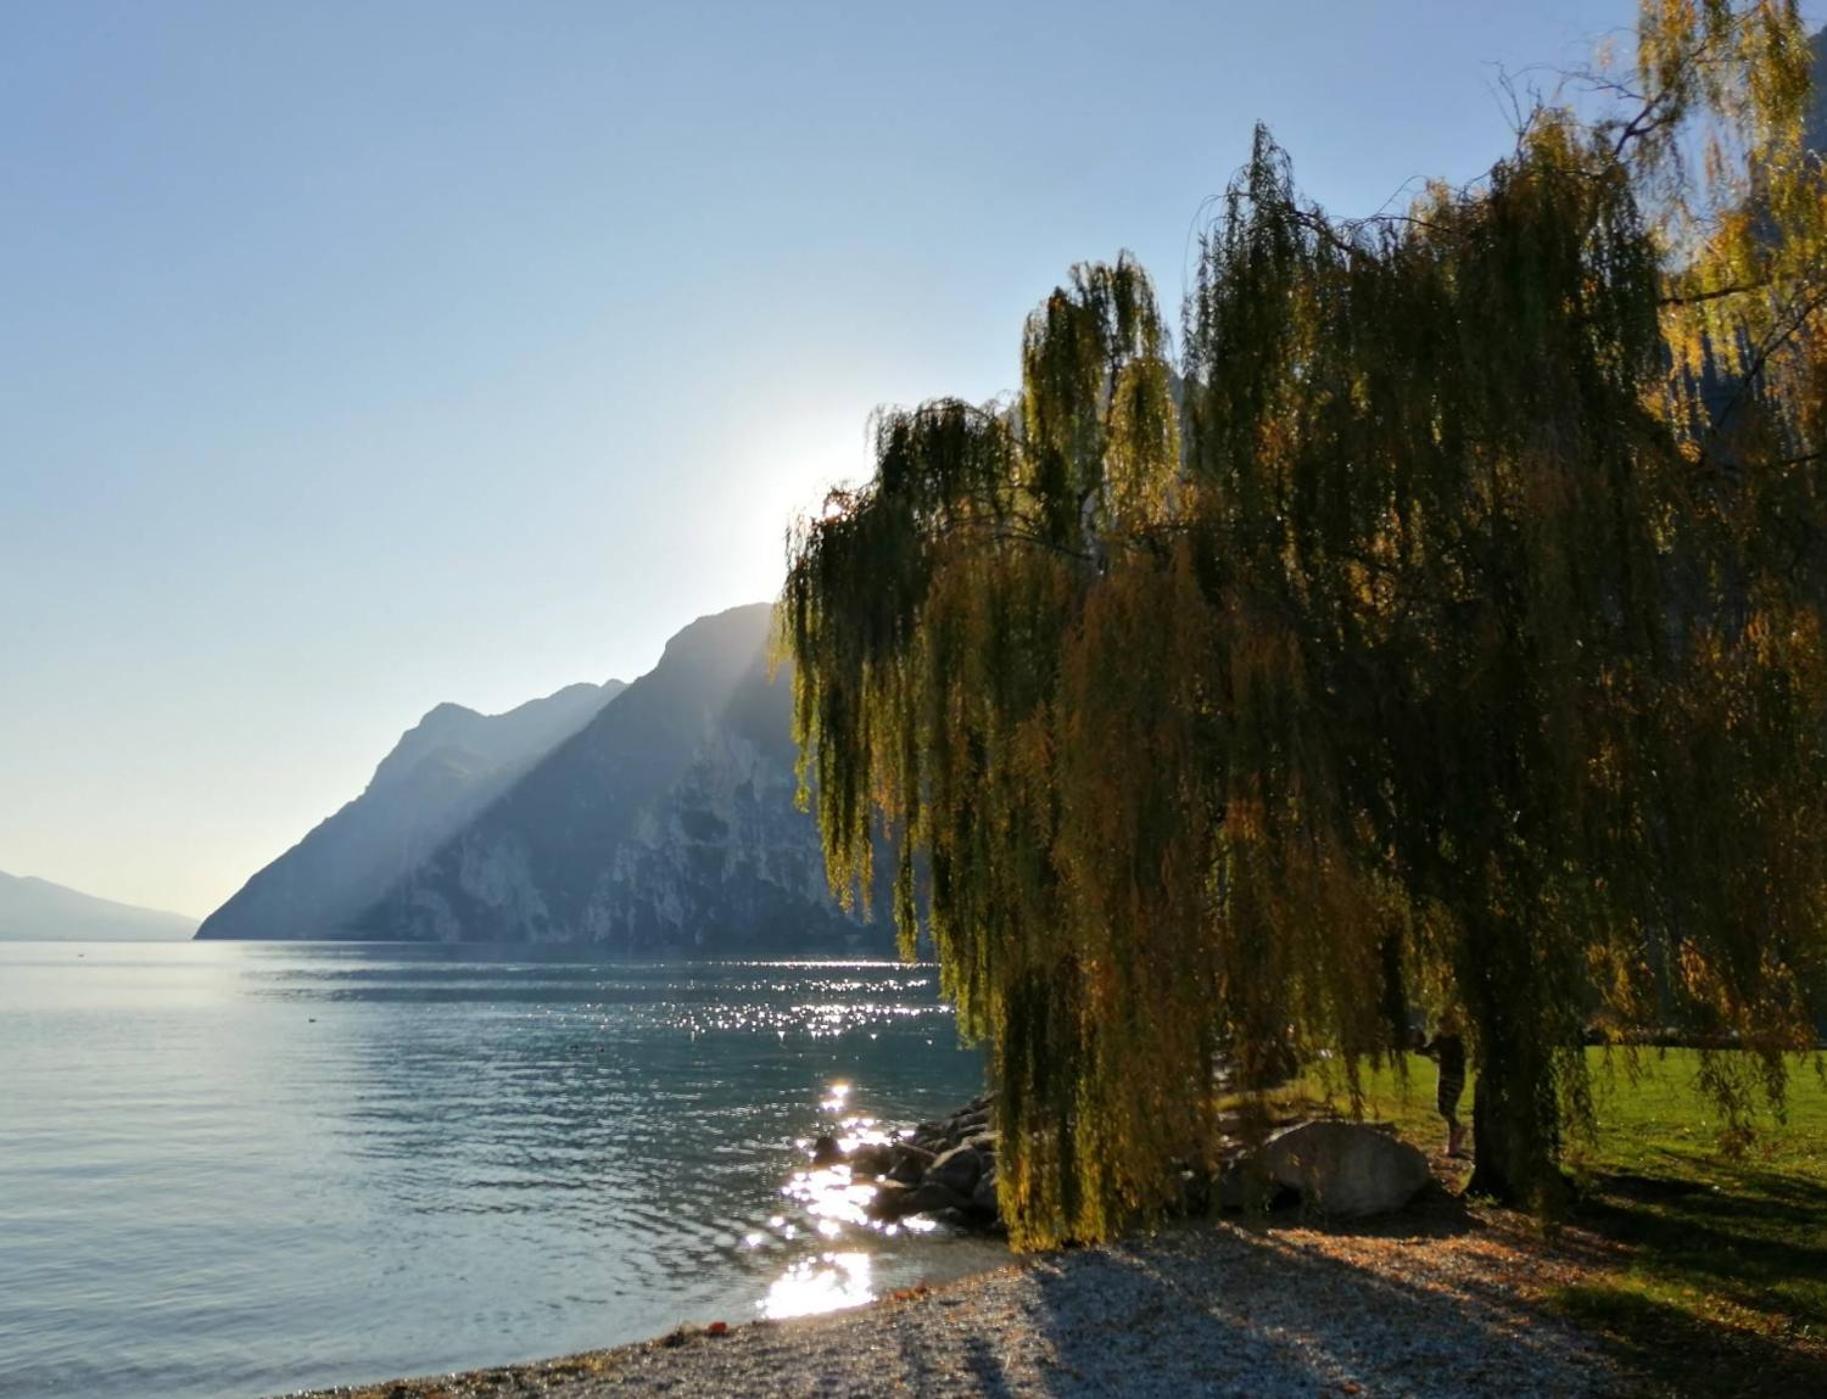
(1709, 1256)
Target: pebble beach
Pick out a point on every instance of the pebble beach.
(1440, 1300)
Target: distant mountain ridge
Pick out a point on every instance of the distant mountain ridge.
(33, 909)
(666, 825)
(659, 822)
(443, 770)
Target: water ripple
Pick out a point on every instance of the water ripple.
(236, 1168)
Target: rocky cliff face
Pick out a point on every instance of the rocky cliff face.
(667, 825)
(444, 770)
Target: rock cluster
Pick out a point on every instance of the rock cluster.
(945, 1169)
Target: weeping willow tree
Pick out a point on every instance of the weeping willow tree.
(1445, 629)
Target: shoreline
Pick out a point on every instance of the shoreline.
(1440, 1299)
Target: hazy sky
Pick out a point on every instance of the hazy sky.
(362, 356)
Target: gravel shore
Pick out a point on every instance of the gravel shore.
(1437, 1301)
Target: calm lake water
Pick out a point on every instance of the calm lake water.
(242, 1168)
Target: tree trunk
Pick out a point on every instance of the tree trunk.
(1494, 1145)
(1515, 1104)
(1515, 1160)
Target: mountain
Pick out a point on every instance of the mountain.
(666, 825)
(38, 910)
(445, 769)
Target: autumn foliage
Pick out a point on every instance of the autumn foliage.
(1442, 627)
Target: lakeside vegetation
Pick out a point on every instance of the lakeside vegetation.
(1439, 634)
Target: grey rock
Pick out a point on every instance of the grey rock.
(827, 1152)
(957, 1170)
(908, 1163)
(872, 1159)
(930, 1196)
(889, 1201)
(1243, 1185)
(894, 1200)
(1343, 1168)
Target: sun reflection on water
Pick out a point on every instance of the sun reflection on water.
(829, 1194)
(822, 1284)
(836, 1205)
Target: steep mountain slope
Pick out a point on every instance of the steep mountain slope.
(37, 909)
(444, 770)
(666, 825)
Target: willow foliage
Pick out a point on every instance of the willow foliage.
(1444, 630)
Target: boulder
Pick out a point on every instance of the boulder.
(894, 1200)
(930, 1197)
(1242, 1185)
(1342, 1168)
(972, 1221)
(907, 1163)
(872, 1159)
(889, 1200)
(957, 1170)
(827, 1152)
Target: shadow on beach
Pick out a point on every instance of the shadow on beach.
(1443, 1299)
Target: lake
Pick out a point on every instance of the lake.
(242, 1168)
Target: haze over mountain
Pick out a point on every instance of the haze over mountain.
(444, 770)
(33, 909)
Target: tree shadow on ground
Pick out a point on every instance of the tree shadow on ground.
(1217, 1308)
(1659, 1281)
(1726, 1288)
(1671, 1351)
(1427, 1301)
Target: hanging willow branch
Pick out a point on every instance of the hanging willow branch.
(1396, 649)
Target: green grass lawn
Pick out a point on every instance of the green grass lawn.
(1715, 1279)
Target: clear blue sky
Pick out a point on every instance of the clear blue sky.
(362, 356)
